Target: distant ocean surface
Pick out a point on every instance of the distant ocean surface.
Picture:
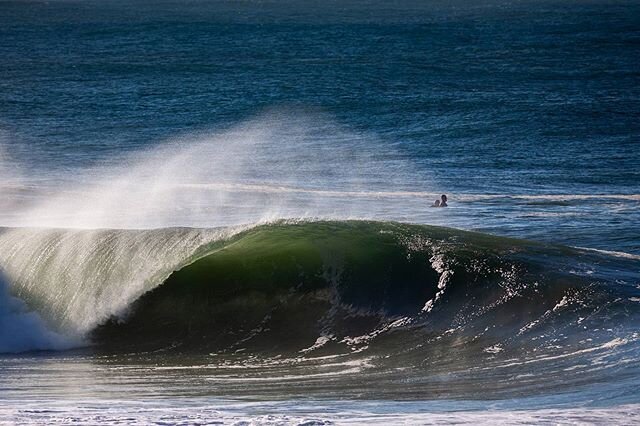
(220, 210)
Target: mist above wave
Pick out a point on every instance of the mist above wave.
(227, 177)
(76, 279)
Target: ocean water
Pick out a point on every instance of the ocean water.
(219, 211)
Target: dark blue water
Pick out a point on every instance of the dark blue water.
(486, 97)
(117, 114)
(522, 96)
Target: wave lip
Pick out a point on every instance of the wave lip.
(395, 306)
(76, 279)
(337, 287)
(301, 288)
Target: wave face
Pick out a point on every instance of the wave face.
(407, 303)
(76, 279)
(402, 291)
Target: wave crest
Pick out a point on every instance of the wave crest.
(339, 287)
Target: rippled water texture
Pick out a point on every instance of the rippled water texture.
(219, 211)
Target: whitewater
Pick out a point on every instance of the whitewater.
(219, 212)
(195, 262)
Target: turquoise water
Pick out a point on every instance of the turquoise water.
(136, 137)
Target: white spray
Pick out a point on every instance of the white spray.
(83, 252)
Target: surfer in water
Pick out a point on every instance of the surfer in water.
(442, 202)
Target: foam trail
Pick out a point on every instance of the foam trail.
(23, 330)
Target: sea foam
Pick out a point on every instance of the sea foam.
(24, 330)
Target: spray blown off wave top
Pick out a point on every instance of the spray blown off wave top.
(273, 254)
(220, 211)
(397, 300)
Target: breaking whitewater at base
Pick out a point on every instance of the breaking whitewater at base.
(417, 311)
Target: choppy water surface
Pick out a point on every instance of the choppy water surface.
(220, 212)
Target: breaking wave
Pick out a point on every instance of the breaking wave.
(313, 288)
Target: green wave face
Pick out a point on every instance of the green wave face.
(284, 287)
(289, 276)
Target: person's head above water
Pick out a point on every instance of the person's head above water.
(436, 203)
(444, 200)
